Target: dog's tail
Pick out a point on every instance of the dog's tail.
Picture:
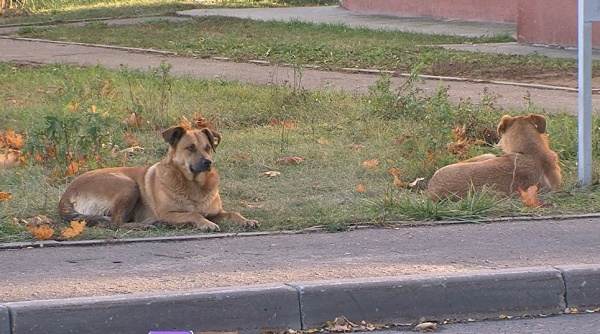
(67, 212)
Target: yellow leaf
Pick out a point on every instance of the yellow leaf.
(41, 232)
(73, 105)
(289, 160)
(394, 171)
(4, 196)
(271, 173)
(323, 141)
(371, 163)
(74, 230)
(106, 88)
(133, 120)
(12, 140)
(72, 169)
(288, 124)
(361, 188)
(357, 147)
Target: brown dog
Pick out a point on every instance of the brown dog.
(182, 189)
(527, 160)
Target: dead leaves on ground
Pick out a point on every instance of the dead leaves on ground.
(11, 144)
(43, 228)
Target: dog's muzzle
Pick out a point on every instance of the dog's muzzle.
(203, 165)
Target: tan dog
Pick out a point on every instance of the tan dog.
(527, 160)
(180, 190)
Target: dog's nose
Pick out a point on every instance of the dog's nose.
(206, 163)
(201, 166)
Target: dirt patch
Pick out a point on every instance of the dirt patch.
(562, 77)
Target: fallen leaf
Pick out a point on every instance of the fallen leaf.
(131, 139)
(200, 122)
(361, 188)
(12, 140)
(529, 197)
(415, 182)
(4, 196)
(42, 232)
(426, 326)
(74, 230)
(134, 120)
(105, 90)
(10, 158)
(271, 173)
(288, 161)
(73, 105)
(371, 163)
(356, 147)
(323, 141)
(15, 102)
(72, 169)
(339, 325)
(131, 149)
(288, 124)
(394, 171)
(39, 226)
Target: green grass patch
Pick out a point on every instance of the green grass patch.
(330, 46)
(77, 114)
(47, 11)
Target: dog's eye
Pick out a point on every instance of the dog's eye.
(191, 148)
(207, 148)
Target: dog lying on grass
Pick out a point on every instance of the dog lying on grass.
(527, 160)
(182, 189)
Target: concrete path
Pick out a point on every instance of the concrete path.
(338, 15)
(254, 282)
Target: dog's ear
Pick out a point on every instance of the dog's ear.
(539, 121)
(213, 137)
(505, 122)
(173, 134)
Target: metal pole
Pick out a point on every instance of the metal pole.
(584, 118)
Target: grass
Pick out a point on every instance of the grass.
(329, 46)
(334, 134)
(55, 11)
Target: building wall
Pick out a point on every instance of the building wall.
(479, 10)
(551, 22)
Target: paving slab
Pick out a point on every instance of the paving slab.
(338, 15)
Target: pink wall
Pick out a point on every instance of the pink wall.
(548, 22)
(551, 22)
(480, 10)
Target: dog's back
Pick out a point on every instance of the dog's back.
(528, 161)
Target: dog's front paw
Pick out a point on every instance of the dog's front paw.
(207, 226)
(249, 223)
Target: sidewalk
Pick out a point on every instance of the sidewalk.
(257, 281)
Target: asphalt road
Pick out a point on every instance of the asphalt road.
(58, 272)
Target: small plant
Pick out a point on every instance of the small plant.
(74, 135)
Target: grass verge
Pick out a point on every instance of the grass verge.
(55, 11)
(329, 46)
(348, 145)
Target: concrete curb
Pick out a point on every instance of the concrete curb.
(304, 305)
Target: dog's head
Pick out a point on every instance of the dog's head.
(519, 131)
(191, 150)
